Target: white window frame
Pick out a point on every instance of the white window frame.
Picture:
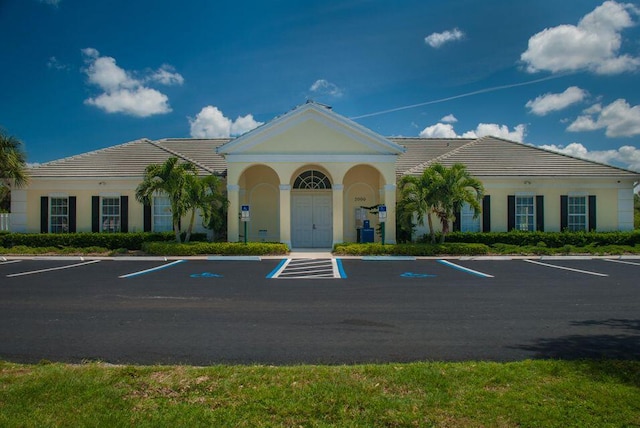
(110, 221)
(577, 221)
(467, 221)
(160, 212)
(525, 212)
(58, 221)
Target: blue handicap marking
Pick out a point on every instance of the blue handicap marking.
(417, 275)
(206, 275)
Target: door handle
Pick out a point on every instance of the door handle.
(314, 226)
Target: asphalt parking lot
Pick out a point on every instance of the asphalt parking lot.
(278, 311)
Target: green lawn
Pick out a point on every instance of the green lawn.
(522, 394)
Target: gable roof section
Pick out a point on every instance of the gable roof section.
(317, 113)
(131, 159)
(496, 157)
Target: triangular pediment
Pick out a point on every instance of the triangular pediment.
(311, 129)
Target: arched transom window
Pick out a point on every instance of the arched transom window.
(312, 180)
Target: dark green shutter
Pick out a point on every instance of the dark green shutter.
(124, 214)
(72, 214)
(511, 212)
(486, 213)
(457, 222)
(564, 212)
(44, 214)
(592, 212)
(147, 218)
(95, 213)
(540, 213)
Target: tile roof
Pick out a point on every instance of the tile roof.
(495, 157)
(484, 157)
(131, 159)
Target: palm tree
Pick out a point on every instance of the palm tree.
(455, 187)
(12, 163)
(205, 194)
(172, 178)
(418, 197)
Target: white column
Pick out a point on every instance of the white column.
(285, 214)
(338, 213)
(390, 224)
(233, 195)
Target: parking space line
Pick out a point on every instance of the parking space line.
(52, 269)
(621, 261)
(278, 270)
(464, 269)
(565, 268)
(6, 262)
(142, 272)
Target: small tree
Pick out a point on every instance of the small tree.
(205, 194)
(172, 178)
(418, 198)
(455, 187)
(12, 165)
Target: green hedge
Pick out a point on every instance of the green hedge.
(548, 239)
(112, 241)
(449, 248)
(226, 248)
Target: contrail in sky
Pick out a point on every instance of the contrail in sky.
(468, 94)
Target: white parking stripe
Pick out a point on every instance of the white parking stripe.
(6, 262)
(52, 269)
(142, 272)
(566, 268)
(621, 261)
(464, 269)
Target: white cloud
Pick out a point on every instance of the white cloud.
(55, 64)
(625, 156)
(212, 123)
(449, 119)
(166, 75)
(618, 119)
(446, 130)
(124, 93)
(436, 40)
(553, 102)
(439, 130)
(594, 44)
(324, 87)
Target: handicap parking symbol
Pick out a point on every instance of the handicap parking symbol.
(206, 275)
(417, 275)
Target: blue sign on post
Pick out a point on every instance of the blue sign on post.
(245, 213)
(382, 212)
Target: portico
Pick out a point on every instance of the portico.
(303, 176)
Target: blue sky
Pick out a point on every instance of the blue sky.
(81, 75)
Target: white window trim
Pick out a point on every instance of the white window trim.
(533, 215)
(103, 196)
(57, 196)
(159, 194)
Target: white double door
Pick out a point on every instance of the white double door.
(311, 220)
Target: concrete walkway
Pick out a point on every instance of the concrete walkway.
(310, 253)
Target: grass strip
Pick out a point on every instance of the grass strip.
(531, 393)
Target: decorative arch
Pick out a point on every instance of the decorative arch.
(312, 179)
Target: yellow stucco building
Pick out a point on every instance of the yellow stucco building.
(305, 177)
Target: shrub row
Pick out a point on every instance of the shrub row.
(112, 241)
(549, 239)
(448, 248)
(21, 249)
(226, 248)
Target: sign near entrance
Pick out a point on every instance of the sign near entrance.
(246, 216)
(382, 212)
